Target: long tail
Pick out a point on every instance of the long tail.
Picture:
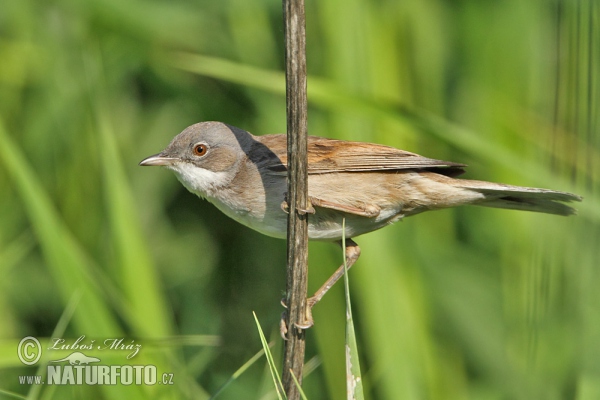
(520, 198)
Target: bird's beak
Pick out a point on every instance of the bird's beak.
(158, 159)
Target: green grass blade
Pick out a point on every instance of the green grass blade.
(13, 253)
(59, 331)
(354, 384)
(298, 386)
(239, 372)
(148, 310)
(11, 394)
(66, 260)
(274, 374)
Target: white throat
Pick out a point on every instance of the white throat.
(200, 181)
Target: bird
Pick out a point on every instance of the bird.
(368, 185)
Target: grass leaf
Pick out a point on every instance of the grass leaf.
(354, 385)
(272, 366)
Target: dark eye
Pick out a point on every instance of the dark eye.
(200, 149)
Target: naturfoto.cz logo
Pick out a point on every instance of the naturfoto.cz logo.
(80, 369)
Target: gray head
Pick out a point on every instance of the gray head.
(205, 156)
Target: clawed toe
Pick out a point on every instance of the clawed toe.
(283, 330)
(305, 324)
(302, 211)
(308, 318)
(308, 210)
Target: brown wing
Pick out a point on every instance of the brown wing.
(329, 155)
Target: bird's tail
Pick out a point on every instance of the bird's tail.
(498, 195)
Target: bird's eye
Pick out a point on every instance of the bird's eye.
(200, 149)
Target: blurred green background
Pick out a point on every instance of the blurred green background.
(469, 303)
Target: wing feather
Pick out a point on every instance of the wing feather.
(330, 156)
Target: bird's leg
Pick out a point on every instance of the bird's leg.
(352, 253)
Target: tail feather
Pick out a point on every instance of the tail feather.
(521, 198)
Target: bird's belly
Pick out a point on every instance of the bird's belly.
(270, 224)
(325, 224)
(328, 224)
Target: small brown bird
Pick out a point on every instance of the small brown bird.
(370, 185)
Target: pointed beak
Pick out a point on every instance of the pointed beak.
(159, 160)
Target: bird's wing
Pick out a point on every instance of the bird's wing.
(361, 209)
(330, 155)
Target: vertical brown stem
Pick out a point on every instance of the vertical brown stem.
(297, 235)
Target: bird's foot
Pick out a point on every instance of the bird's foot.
(306, 323)
(302, 211)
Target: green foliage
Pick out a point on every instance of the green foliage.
(354, 380)
(467, 303)
(270, 362)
